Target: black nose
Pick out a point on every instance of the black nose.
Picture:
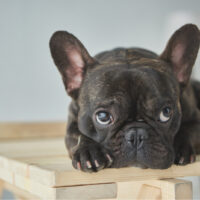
(136, 136)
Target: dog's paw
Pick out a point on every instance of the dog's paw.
(91, 158)
(184, 154)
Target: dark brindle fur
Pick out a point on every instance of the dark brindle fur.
(135, 86)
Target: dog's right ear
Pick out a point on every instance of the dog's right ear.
(181, 52)
(71, 59)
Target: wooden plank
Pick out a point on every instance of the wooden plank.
(26, 187)
(36, 147)
(1, 188)
(17, 157)
(167, 189)
(6, 175)
(15, 168)
(19, 193)
(35, 188)
(31, 130)
(76, 192)
(43, 160)
(70, 193)
(61, 174)
(138, 190)
(147, 192)
(100, 191)
(39, 164)
(124, 174)
(174, 189)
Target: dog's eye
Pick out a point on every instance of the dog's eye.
(165, 114)
(104, 117)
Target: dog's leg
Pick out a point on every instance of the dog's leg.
(196, 88)
(187, 143)
(87, 155)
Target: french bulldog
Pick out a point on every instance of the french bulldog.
(130, 106)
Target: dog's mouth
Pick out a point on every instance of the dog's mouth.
(155, 156)
(148, 156)
(140, 150)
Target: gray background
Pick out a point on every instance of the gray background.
(30, 86)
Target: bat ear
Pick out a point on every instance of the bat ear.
(181, 52)
(71, 59)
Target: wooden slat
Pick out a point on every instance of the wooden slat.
(19, 193)
(33, 148)
(124, 174)
(1, 188)
(42, 191)
(44, 161)
(174, 189)
(33, 157)
(167, 189)
(147, 192)
(31, 130)
(100, 191)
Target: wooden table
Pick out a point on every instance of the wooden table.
(34, 165)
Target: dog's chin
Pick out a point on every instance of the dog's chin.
(145, 163)
(145, 159)
(162, 163)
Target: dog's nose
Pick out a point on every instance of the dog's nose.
(141, 136)
(136, 136)
(131, 136)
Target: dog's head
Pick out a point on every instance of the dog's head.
(129, 99)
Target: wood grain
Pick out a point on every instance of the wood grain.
(46, 161)
(31, 130)
(1, 188)
(168, 189)
(33, 158)
(19, 193)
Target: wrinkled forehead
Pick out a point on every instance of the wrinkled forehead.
(108, 82)
(157, 82)
(157, 89)
(130, 83)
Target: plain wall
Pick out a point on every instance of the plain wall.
(30, 85)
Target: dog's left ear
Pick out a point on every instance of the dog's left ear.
(72, 60)
(181, 52)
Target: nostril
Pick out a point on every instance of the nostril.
(140, 142)
(130, 135)
(143, 137)
(140, 138)
(136, 137)
(142, 134)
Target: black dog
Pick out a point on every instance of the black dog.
(131, 107)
